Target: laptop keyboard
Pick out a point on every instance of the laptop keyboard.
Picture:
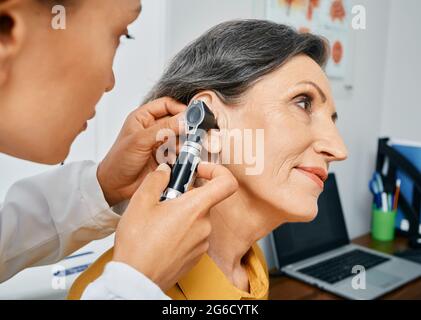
(340, 267)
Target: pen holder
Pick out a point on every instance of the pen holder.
(383, 225)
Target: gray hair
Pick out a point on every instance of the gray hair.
(232, 56)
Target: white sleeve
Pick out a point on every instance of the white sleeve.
(119, 281)
(47, 217)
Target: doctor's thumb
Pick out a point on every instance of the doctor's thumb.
(153, 186)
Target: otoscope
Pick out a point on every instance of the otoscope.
(198, 120)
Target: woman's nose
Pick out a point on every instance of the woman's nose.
(111, 83)
(331, 145)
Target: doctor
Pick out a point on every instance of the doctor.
(50, 82)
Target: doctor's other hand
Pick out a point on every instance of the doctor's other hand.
(130, 158)
(164, 240)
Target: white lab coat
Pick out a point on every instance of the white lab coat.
(47, 217)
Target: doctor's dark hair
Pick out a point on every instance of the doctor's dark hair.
(232, 56)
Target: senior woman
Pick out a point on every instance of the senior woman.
(254, 74)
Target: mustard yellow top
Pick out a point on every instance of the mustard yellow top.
(204, 282)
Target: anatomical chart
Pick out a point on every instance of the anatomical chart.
(328, 18)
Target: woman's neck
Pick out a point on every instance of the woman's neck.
(237, 224)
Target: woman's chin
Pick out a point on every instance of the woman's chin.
(305, 217)
(300, 214)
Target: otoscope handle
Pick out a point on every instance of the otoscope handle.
(183, 172)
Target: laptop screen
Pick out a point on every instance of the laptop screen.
(298, 241)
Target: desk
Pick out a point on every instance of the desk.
(285, 288)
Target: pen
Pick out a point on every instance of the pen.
(379, 182)
(375, 191)
(397, 192)
(384, 201)
(378, 199)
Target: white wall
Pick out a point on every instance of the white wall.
(360, 116)
(188, 19)
(402, 106)
(137, 67)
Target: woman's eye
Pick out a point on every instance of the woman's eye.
(305, 103)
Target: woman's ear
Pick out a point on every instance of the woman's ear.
(216, 105)
(11, 36)
(213, 143)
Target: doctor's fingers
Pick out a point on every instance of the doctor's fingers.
(222, 184)
(157, 109)
(149, 192)
(148, 138)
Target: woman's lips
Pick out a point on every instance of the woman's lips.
(318, 175)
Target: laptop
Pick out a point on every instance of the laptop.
(320, 253)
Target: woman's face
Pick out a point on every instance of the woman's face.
(295, 108)
(52, 79)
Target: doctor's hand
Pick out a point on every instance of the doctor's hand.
(130, 159)
(164, 240)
